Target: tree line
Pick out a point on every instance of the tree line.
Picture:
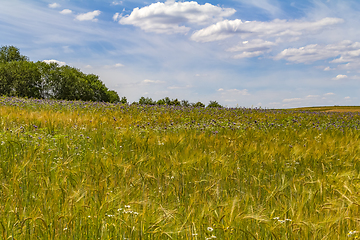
(22, 78)
(173, 102)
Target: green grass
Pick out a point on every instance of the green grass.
(73, 170)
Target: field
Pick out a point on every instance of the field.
(83, 170)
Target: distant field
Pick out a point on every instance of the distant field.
(331, 109)
(84, 170)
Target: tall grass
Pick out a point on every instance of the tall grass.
(77, 170)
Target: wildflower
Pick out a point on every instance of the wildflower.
(210, 229)
(352, 233)
(127, 206)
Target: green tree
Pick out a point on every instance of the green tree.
(185, 103)
(21, 79)
(214, 104)
(146, 101)
(10, 54)
(124, 100)
(199, 104)
(113, 96)
(175, 102)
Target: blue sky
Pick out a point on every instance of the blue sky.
(264, 53)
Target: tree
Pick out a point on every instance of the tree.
(185, 103)
(214, 104)
(175, 102)
(124, 100)
(21, 79)
(146, 101)
(199, 104)
(11, 53)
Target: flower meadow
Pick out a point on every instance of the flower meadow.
(91, 170)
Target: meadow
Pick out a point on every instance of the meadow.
(86, 170)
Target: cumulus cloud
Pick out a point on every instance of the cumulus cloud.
(66, 11)
(90, 16)
(252, 48)
(256, 29)
(340, 76)
(54, 61)
(171, 17)
(54, 5)
(346, 51)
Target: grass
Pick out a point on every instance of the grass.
(81, 170)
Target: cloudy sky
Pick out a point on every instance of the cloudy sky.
(268, 53)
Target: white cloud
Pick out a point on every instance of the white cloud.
(90, 16)
(327, 69)
(252, 48)
(329, 94)
(347, 50)
(54, 61)
(117, 65)
(148, 81)
(347, 97)
(66, 11)
(116, 17)
(312, 96)
(54, 5)
(170, 17)
(257, 29)
(117, 3)
(340, 76)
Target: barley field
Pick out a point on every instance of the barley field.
(84, 170)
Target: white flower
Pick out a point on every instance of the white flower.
(210, 229)
(352, 232)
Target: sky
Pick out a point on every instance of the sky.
(240, 53)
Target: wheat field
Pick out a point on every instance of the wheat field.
(84, 170)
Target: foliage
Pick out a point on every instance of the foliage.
(199, 104)
(22, 78)
(214, 104)
(10, 54)
(85, 170)
(146, 101)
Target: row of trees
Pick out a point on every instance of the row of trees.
(23, 78)
(175, 102)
